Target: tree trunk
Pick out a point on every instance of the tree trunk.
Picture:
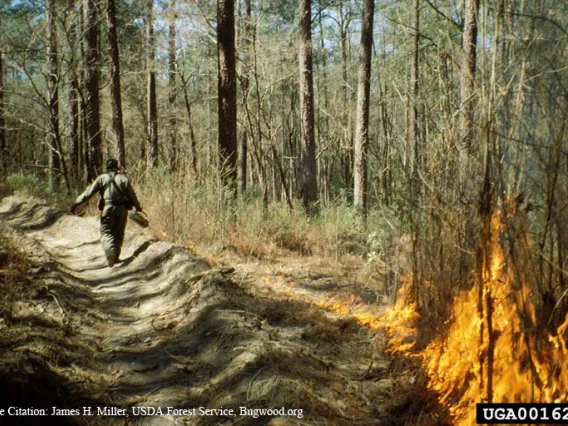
(172, 65)
(192, 141)
(310, 186)
(52, 97)
(347, 148)
(362, 124)
(74, 128)
(92, 106)
(152, 102)
(242, 161)
(3, 147)
(83, 139)
(414, 152)
(414, 82)
(243, 140)
(467, 86)
(227, 90)
(323, 123)
(73, 98)
(117, 124)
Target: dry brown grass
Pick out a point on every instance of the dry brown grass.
(14, 277)
(207, 219)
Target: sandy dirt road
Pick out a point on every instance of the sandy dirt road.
(163, 329)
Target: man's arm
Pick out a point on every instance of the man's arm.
(89, 192)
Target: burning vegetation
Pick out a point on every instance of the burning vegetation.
(494, 350)
(495, 347)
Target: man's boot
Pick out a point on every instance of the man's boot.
(111, 260)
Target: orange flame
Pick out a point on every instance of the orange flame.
(493, 350)
(399, 321)
(364, 314)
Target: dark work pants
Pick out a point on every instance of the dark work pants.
(113, 224)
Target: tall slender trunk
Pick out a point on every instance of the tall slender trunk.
(152, 102)
(192, 141)
(92, 75)
(3, 147)
(414, 151)
(362, 124)
(243, 140)
(117, 124)
(75, 152)
(227, 90)
(172, 69)
(467, 86)
(242, 161)
(52, 97)
(347, 148)
(309, 170)
(83, 139)
(323, 127)
(414, 85)
(73, 98)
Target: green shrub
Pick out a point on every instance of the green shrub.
(26, 184)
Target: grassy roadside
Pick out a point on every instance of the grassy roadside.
(204, 217)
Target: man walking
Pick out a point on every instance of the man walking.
(117, 197)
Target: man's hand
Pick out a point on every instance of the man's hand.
(74, 209)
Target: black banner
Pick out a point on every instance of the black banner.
(523, 414)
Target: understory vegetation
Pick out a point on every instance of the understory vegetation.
(423, 142)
